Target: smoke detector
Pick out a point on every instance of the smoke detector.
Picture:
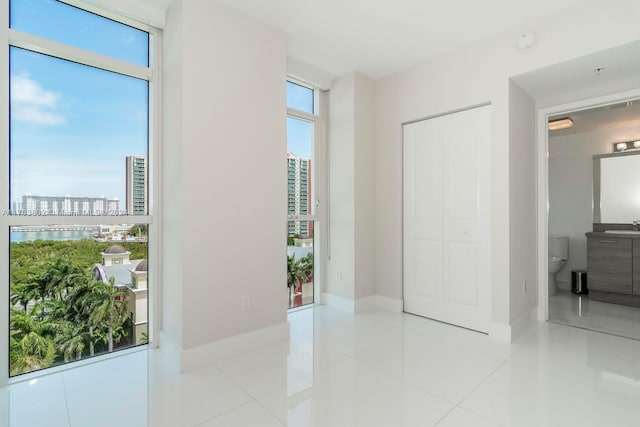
(526, 40)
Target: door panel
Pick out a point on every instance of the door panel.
(446, 219)
(463, 278)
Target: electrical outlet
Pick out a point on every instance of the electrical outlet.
(524, 287)
(245, 303)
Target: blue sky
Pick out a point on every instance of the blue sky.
(299, 137)
(72, 126)
(299, 132)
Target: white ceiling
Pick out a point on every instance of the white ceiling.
(614, 116)
(380, 37)
(618, 64)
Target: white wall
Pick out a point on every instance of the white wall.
(522, 184)
(225, 165)
(172, 201)
(352, 173)
(571, 188)
(340, 267)
(364, 166)
(477, 74)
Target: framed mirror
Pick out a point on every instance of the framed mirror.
(616, 188)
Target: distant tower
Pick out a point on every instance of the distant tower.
(299, 193)
(136, 185)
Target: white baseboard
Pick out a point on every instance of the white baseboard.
(228, 347)
(362, 304)
(341, 303)
(365, 303)
(523, 323)
(391, 304)
(500, 331)
(509, 333)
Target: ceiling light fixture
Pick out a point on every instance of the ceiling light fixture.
(560, 124)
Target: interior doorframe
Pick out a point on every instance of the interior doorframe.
(542, 183)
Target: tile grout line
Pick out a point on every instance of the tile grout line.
(507, 360)
(254, 399)
(284, 424)
(228, 411)
(446, 415)
(66, 399)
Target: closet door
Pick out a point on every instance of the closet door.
(446, 218)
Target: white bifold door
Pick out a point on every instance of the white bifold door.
(446, 218)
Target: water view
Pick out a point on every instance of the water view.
(28, 236)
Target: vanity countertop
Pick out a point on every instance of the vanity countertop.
(629, 234)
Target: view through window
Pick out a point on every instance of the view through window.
(301, 194)
(78, 208)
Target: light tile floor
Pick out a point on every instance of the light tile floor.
(578, 310)
(337, 370)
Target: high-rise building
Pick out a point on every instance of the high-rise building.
(299, 194)
(68, 205)
(136, 196)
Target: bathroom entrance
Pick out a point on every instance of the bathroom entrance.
(592, 206)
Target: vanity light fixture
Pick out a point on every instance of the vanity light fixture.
(561, 124)
(619, 147)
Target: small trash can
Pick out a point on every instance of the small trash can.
(579, 282)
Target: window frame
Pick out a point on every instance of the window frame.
(152, 74)
(319, 184)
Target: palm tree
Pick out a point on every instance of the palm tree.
(59, 276)
(30, 344)
(295, 276)
(78, 309)
(71, 340)
(306, 265)
(108, 306)
(144, 338)
(24, 293)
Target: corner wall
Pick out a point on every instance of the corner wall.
(350, 281)
(224, 176)
(522, 186)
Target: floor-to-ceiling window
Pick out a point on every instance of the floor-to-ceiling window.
(76, 231)
(303, 191)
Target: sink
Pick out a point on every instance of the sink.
(623, 231)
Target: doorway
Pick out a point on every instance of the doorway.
(565, 202)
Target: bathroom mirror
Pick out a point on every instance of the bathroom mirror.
(616, 188)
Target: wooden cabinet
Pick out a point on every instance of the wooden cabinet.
(610, 264)
(613, 268)
(636, 267)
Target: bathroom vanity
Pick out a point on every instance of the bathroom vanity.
(613, 247)
(613, 266)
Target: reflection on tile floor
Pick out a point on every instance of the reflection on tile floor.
(577, 310)
(374, 369)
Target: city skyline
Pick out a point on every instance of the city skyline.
(72, 127)
(135, 202)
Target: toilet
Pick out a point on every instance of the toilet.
(558, 256)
